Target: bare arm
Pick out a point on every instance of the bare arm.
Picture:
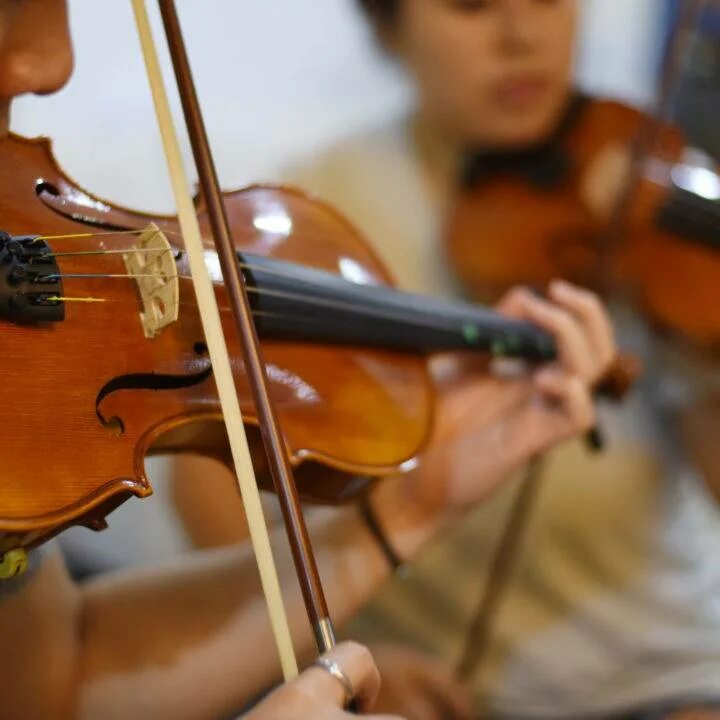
(40, 630)
(40, 655)
(189, 640)
(192, 641)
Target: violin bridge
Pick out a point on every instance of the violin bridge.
(151, 262)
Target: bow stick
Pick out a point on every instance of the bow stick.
(305, 565)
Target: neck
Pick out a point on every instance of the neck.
(439, 156)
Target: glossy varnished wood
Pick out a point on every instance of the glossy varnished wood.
(504, 231)
(352, 411)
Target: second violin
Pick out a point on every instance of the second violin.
(653, 230)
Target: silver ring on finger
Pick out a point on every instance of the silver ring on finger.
(337, 672)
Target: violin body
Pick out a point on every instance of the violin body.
(89, 396)
(675, 270)
(505, 230)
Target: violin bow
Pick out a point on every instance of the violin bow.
(273, 441)
(502, 564)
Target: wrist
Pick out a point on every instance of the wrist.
(408, 517)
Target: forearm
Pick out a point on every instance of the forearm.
(40, 631)
(194, 641)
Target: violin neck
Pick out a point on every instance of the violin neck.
(294, 302)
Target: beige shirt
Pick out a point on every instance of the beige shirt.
(616, 599)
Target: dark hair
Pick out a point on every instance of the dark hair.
(379, 10)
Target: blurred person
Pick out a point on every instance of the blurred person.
(613, 610)
(192, 639)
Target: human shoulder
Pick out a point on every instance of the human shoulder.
(353, 160)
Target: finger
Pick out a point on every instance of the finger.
(359, 667)
(570, 394)
(573, 343)
(589, 310)
(512, 303)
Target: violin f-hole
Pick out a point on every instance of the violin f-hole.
(143, 381)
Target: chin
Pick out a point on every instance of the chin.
(515, 127)
(524, 136)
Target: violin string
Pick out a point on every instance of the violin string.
(381, 314)
(308, 298)
(84, 236)
(350, 307)
(121, 251)
(465, 328)
(277, 272)
(255, 313)
(260, 292)
(257, 291)
(52, 277)
(112, 301)
(89, 235)
(314, 301)
(179, 255)
(66, 299)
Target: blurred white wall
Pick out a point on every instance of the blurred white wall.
(620, 44)
(277, 79)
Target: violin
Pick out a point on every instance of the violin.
(537, 219)
(109, 359)
(130, 340)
